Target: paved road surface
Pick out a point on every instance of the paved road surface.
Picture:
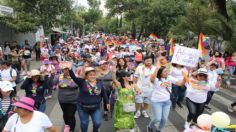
(219, 102)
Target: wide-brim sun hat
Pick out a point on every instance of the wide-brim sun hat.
(34, 72)
(6, 86)
(25, 103)
(87, 69)
(102, 62)
(202, 71)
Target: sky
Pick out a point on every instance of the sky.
(85, 3)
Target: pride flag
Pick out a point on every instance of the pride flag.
(172, 44)
(201, 46)
(153, 36)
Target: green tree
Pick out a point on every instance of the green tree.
(29, 14)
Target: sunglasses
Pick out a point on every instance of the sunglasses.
(202, 75)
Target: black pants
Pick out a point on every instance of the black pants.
(108, 92)
(195, 109)
(138, 62)
(69, 114)
(233, 104)
(37, 55)
(50, 85)
(209, 96)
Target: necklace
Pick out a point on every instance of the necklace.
(93, 90)
(148, 72)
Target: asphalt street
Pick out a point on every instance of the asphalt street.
(177, 117)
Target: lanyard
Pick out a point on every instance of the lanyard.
(16, 123)
(64, 84)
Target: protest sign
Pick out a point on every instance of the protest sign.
(186, 56)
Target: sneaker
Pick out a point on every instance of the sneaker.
(228, 83)
(149, 129)
(230, 108)
(67, 128)
(48, 97)
(137, 114)
(105, 116)
(180, 105)
(144, 113)
(187, 125)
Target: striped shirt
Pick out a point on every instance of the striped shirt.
(5, 102)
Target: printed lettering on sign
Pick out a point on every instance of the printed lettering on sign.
(186, 56)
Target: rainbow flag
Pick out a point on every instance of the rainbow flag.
(153, 36)
(104, 40)
(172, 45)
(201, 47)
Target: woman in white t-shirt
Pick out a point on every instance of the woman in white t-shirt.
(197, 89)
(26, 119)
(160, 98)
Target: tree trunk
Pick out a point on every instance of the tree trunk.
(221, 8)
(120, 21)
(141, 32)
(133, 30)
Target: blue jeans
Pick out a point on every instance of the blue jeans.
(179, 93)
(231, 72)
(160, 112)
(84, 119)
(42, 107)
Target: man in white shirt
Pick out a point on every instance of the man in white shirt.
(8, 74)
(142, 80)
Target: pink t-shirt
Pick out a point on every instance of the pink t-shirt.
(47, 69)
(231, 62)
(55, 63)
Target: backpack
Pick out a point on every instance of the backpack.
(17, 81)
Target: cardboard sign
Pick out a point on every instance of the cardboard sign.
(186, 56)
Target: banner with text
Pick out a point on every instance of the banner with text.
(186, 56)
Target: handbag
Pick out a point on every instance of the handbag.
(129, 107)
(92, 107)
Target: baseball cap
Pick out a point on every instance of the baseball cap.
(202, 71)
(6, 86)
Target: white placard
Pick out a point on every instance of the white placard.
(6, 9)
(186, 56)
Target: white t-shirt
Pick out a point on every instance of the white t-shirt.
(38, 123)
(6, 75)
(196, 93)
(177, 73)
(143, 74)
(90, 47)
(160, 93)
